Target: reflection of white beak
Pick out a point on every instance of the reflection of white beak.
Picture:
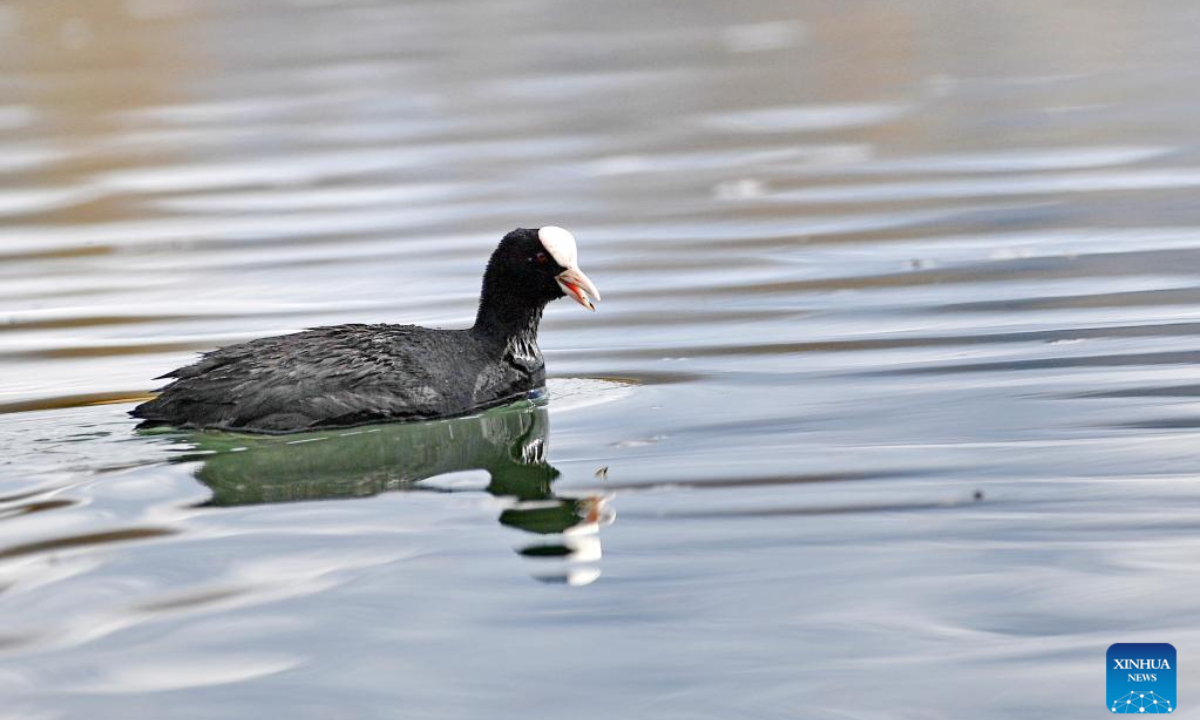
(578, 287)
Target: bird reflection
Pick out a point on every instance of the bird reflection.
(510, 444)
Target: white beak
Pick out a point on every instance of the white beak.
(578, 287)
(561, 246)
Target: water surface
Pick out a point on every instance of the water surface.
(890, 409)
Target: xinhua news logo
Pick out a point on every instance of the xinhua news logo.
(1141, 678)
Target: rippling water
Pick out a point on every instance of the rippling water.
(889, 410)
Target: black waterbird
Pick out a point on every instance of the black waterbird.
(356, 374)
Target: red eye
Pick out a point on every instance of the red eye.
(541, 258)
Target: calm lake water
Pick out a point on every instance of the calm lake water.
(890, 409)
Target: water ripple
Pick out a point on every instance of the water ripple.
(805, 118)
(1033, 185)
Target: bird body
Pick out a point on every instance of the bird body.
(355, 374)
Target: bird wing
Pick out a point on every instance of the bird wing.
(342, 375)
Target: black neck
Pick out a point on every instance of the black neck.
(506, 315)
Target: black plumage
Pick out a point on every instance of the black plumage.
(355, 374)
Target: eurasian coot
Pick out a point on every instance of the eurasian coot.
(355, 374)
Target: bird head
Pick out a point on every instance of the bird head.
(545, 261)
